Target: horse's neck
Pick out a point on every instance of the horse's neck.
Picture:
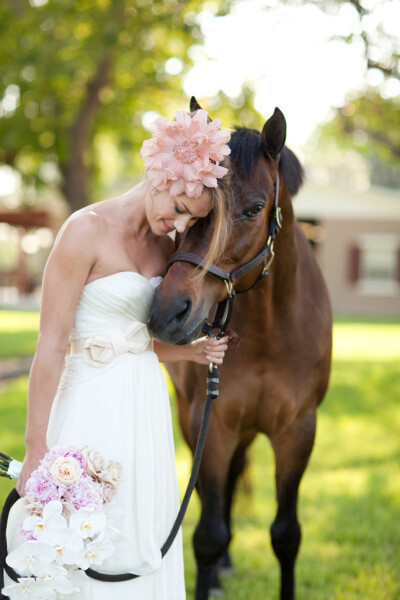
(282, 277)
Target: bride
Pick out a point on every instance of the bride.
(109, 393)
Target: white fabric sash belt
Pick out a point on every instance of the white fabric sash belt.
(100, 349)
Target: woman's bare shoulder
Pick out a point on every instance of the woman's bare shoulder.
(82, 227)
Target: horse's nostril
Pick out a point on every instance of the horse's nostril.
(183, 311)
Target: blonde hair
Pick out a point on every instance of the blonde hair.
(221, 220)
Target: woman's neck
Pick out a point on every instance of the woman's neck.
(133, 209)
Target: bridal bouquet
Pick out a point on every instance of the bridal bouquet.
(68, 525)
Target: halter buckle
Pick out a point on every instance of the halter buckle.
(268, 262)
(229, 287)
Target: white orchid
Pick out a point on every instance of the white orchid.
(32, 558)
(51, 518)
(66, 542)
(78, 578)
(58, 578)
(113, 513)
(89, 523)
(95, 553)
(29, 588)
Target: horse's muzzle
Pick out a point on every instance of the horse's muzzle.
(174, 321)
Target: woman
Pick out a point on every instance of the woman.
(98, 286)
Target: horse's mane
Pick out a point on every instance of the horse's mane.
(246, 150)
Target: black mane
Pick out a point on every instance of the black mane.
(246, 150)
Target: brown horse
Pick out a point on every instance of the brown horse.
(274, 382)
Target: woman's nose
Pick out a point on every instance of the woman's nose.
(181, 223)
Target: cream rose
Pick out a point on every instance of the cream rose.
(65, 470)
(95, 463)
(109, 492)
(114, 473)
(34, 508)
(67, 509)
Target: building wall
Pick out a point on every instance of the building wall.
(348, 294)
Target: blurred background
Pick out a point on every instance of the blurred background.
(80, 81)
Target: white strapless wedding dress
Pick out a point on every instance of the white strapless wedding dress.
(122, 410)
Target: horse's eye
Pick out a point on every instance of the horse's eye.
(254, 210)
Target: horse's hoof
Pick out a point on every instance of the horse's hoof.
(215, 592)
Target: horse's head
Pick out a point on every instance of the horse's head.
(183, 300)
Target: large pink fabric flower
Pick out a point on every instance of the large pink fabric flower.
(183, 154)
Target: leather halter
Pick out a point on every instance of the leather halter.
(266, 256)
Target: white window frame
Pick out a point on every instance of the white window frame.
(371, 286)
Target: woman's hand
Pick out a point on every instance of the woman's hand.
(31, 462)
(206, 350)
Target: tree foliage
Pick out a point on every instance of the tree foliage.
(76, 79)
(376, 31)
(368, 124)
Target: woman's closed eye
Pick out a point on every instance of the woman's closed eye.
(179, 211)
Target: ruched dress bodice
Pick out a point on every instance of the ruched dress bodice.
(111, 301)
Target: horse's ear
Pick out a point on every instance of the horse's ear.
(273, 135)
(194, 105)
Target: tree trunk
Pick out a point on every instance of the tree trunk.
(76, 183)
(75, 186)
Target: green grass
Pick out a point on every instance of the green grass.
(350, 495)
(19, 331)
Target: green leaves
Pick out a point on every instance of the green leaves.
(52, 79)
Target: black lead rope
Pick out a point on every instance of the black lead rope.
(212, 392)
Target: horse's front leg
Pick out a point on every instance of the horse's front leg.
(236, 468)
(212, 535)
(292, 450)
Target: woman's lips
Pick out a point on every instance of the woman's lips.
(166, 228)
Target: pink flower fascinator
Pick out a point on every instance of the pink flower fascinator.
(183, 154)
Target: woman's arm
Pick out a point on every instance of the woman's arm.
(65, 274)
(202, 351)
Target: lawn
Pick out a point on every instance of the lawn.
(18, 333)
(350, 495)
